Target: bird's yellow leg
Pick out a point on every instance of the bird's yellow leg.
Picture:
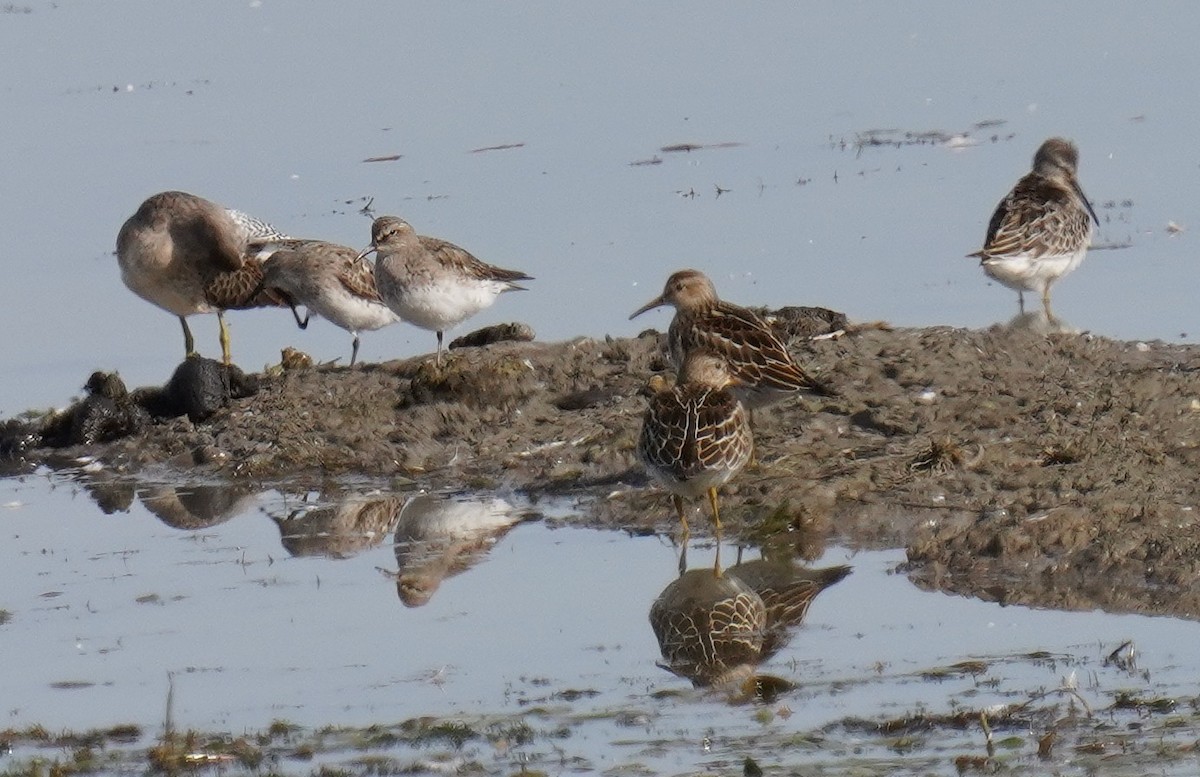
(678, 500)
(226, 356)
(712, 500)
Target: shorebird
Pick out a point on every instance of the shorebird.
(696, 435)
(330, 281)
(1042, 229)
(760, 362)
(187, 255)
(431, 283)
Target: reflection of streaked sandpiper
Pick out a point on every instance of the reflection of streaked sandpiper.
(338, 525)
(1042, 229)
(188, 255)
(431, 283)
(758, 359)
(709, 628)
(696, 435)
(330, 281)
(787, 590)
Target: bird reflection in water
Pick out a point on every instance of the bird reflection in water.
(716, 630)
(338, 524)
(439, 536)
(196, 506)
(1039, 322)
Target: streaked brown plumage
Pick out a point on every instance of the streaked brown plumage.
(696, 435)
(431, 283)
(1042, 229)
(188, 255)
(339, 525)
(716, 630)
(787, 591)
(330, 281)
(709, 628)
(758, 359)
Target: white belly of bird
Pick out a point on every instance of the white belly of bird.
(429, 517)
(441, 306)
(1023, 272)
(351, 312)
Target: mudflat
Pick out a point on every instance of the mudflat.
(1014, 463)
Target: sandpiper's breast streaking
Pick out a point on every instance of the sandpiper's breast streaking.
(431, 283)
(757, 358)
(187, 255)
(696, 435)
(1042, 229)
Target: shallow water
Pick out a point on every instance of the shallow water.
(272, 107)
(105, 608)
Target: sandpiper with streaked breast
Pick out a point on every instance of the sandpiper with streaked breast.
(757, 358)
(1042, 229)
(696, 435)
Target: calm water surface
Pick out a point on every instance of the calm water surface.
(276, 606)
(272, 107)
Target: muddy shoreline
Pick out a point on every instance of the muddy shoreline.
(1015, 465)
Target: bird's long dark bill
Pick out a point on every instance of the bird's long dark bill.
(1079, 190)
(363, 254)
(651, 305)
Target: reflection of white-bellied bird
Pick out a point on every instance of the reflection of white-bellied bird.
(1042, 229)
(696, 435)
(330, 281)
(188, 255)
(757, 358)
(431, 283)
(439, 536)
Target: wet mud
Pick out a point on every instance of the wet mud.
(1015, 464)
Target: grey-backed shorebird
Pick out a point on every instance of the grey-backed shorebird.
(1042, 229)
(431, 283)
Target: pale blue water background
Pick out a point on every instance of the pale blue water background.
(272, 106)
